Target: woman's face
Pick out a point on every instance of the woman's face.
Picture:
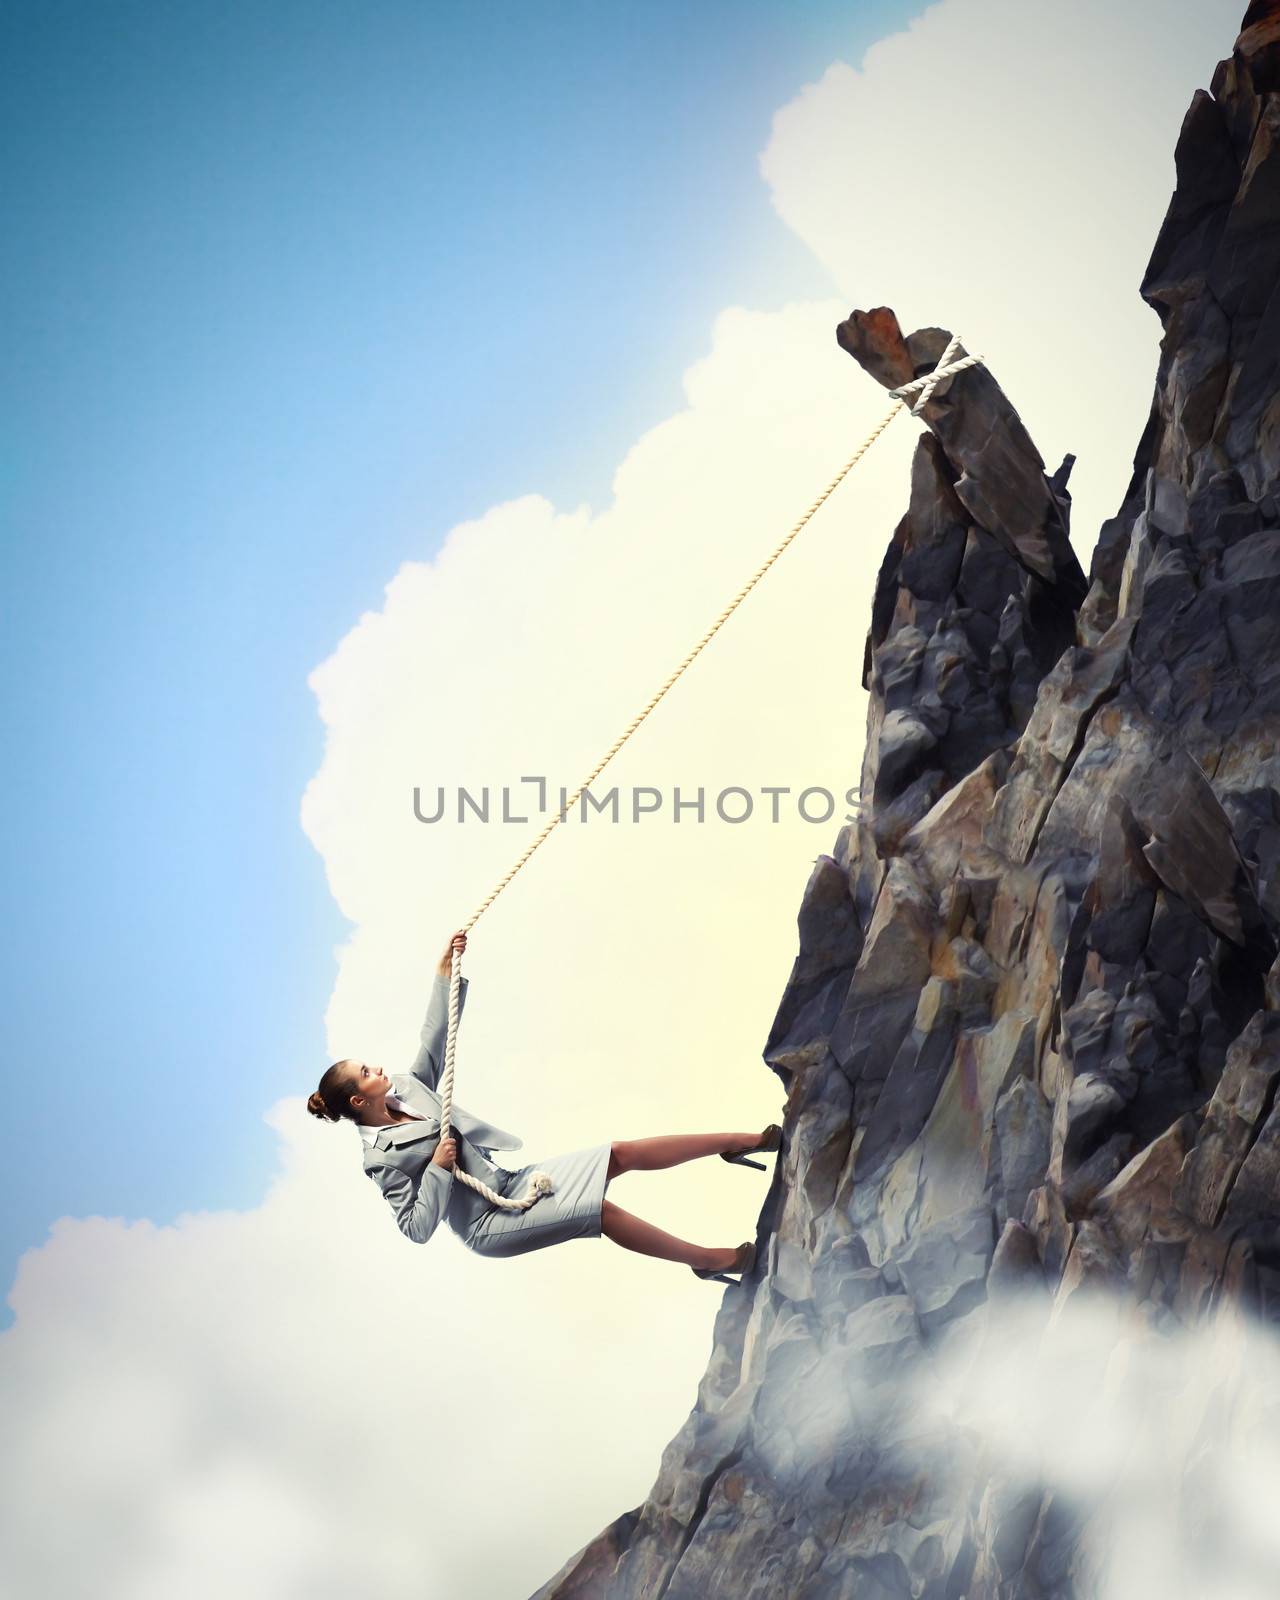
(367, 1087)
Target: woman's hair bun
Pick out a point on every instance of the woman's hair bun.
(332, 1100)
(317, 1107)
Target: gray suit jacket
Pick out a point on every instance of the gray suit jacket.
(398, 1160)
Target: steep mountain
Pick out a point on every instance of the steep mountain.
(1031, 1040)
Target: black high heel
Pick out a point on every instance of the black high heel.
(770, 1139)
(742, 1263)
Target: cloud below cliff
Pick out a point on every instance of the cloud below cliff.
(294, 1400)
(1161, 1446)
(1150, 1456)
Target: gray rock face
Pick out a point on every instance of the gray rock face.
(1031, 1040)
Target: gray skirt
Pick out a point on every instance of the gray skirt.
(571, 1212)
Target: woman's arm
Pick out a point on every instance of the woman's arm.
(418, 1211)
(435, 1030)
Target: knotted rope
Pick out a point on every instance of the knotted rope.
(541, 1183)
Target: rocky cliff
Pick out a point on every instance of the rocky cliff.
(1031, 1041)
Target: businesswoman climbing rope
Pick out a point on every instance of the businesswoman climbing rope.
(399, 1121)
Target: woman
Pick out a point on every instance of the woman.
(399, 1121)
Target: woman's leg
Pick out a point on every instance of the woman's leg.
(634, 1234)
(670, 1149)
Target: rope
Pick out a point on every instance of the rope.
(541, 1183)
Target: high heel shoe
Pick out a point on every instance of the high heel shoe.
(742, 1263)
(770, 1139)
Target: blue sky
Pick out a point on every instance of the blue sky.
(290, 290)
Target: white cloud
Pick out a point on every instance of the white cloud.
(295, 1400)
(1163, 1444)
(1152, 1455)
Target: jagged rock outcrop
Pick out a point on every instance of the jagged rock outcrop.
(1032, 1036)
